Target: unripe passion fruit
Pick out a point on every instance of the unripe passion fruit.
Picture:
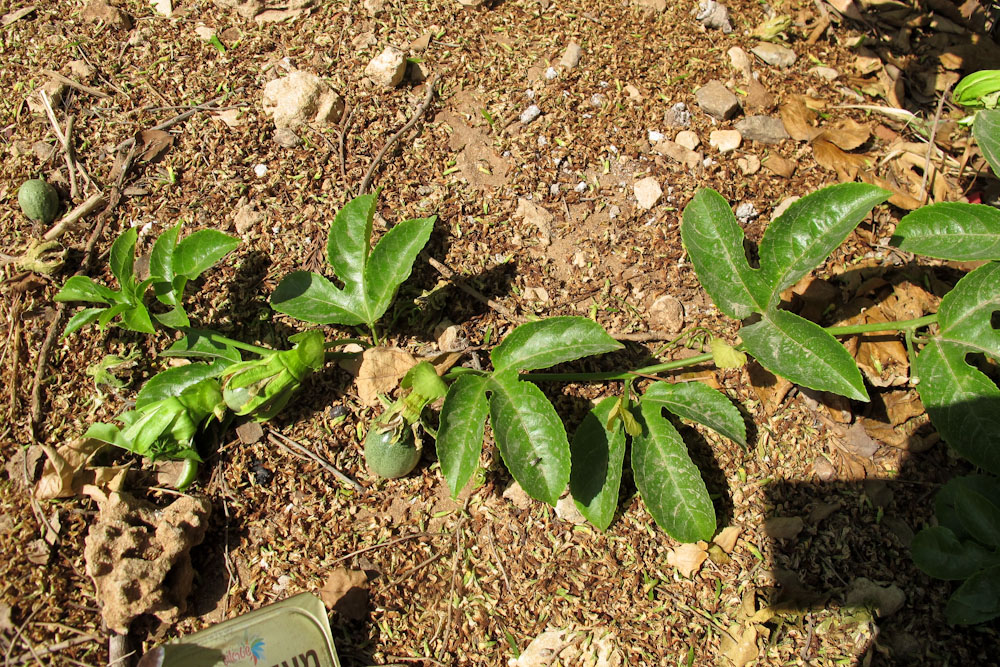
(39, 201)
(390, 452)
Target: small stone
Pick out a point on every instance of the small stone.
(774, 54)
(673, 150)
(374, 7)
(53, 89)
(885, 600)
(677, 116)
(765, 129)
(824, 469)
(246, 219)
(826, 73)
(286, 138)
(567, 511)
(450, 337)
(714, 14)
(571, 56)
(740, 61)
(249, 432)
(301, 98)
(717, 101)
(260, 170)
(779, 166)
(597, 100)
(80, 69)
(100, 11)
(551, 73)
(387, 68)
(647, 192)
(633, 92)
(163, 7)
(725, 140)
(421, 43)
(657, 6)
(758, 97)
(749, 165)
(746, 212)
(688, 139)
(530, 114)
(666, 314)
(471, 3)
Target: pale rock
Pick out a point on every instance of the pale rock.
(247, 218)
(666, 314)
(633, 92)
(536, 215)
(657, 6)
(163, 7)
(714, 14)
(717, 101)
(54, 90)
(647, 192)
(885, 600)
(551, 74)
(100, 11)
(740, 61)
(725, 140)
(374, 7)
(746, 212)
(571, 56)
(530, 114)
(826, 73)
(387, 68)
(204, 33)
(783, 206)
(749, 165)
(688, 139)
(450, 337)
(80, 69)
(286, 138)
(567, 511)
(673, 150)
(471, 3)
(677, 116)
(765, 129)
(301, 98)
(515, 494)
(774, 54)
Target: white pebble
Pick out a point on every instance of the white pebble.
(551, 73)
(530, 114)
(260, 170)
(655, 136)
(581, 186)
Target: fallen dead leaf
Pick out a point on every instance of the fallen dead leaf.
(381, 370)
(848, 134)
(783, 527)
(231, 117)
(346, 592)
(770, 389)
(739, 644)
(726, 539)
(858, 442)
(687, 558)
(66, 473)
(6, 623)
(902, 405)
(798, 119)
(830, 156)
(154, 144)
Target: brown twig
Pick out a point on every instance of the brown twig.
(75, 84)
(367, 180)
(74, 216)
(424, 563)
(181, 117)
(459, 529)
(52, 648)
(64, 140)
(342, 155)
(383, 545)
(930, 144)
(297, 448)
(451, 275)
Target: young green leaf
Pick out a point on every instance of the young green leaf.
(597, 459)
(963, 403)
(173, 381)
(349, 242)
(201, 250)
(951, 230)
(530, 436)
(312, 298)
(136, 318)
(551, 341)
(199, 344)
(175, 318)
(977, 600)
(801, 351)
(938, 552)
(965, 314)
(82, 288)
(82, 318)
(946, 500)
(161, 265)
(714, 242)
(986, 130)
(810, 229)
(699, 403)
(460, 434)
(122, 257)
(391, 263)
(979, 516)
(669, 482)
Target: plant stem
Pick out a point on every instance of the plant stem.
(619, 375)
(239, 345)
(901, 325)
(345, 341)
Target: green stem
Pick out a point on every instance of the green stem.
(619, 375)
(345, 341)
(239, 345)
(901, 325)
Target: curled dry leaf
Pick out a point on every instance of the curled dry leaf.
(847, 165)
(687, 558)
(154, 144)
(739, 644)
(848, 134)
(783, 527)
(66, 473)
(799, 119)
(726, 538)
(381, 370)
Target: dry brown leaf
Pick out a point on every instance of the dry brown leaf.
(687, 558)
(726, 539)
(381, 370)
(770, 389)
(154, 144)
(857, 441)
(848, 134)
(900, 198)
(783, 527)
(847, 165)
(65, 472)
(231, 117)
(909, 301)
(346, 592)
(902, 405)
(6, 623)
(799, 119)
(739, 644)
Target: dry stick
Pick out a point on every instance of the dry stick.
(53, 648)
(367, 180)
(930, 144)
(75, 84)
(451, 275)
(459, 530)
(304, 451)
(424, 563)
(342, 154)
(74, 216)
(63, 140)
(383, 545)
(181, 117)
(496, 554)
(18, 635)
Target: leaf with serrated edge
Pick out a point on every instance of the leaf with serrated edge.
(460, 433)
(938, 552)
(977, 600)
(669, 482)
(951, 230)
(801, 351)
(963, 404)
(199, 251)
(82, 288)
(391, 262)
(81, 319)
(986, 130)
(312, 298)
(714, 243)
(136, 318)
(802, 237)
(551, 341)
(701, 404)
(530, 436)
(965, 314)
(597, 459)
(122, 256)
(161, 265)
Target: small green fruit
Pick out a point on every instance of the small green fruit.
(39, 201)
(389, 452)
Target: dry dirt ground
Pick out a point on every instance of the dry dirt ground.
(541, 218)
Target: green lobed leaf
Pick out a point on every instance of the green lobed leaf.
(979, 516)
(986, 130)
(714, 243)
(460, 433)
(122, 257)
(199, 251)
(108, 314)
(530, 436)
(82, 288)
(312, 298)
(977, 600)
(81, 319)
(391, 263)
(597, 459)
(937, 552)
(197, 344)
(946, 500)
(802, 237)
(173, 381)
(669, 482)
(963, 403)
(801, 351)
(951, 230)
(966, 312)
(702, 404)
(551, 341)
